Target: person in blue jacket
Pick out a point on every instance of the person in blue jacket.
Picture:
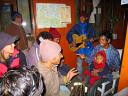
(113, 59)
(85, 31)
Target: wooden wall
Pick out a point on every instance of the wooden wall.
(12, 2)
(113, 11)
(121, 29)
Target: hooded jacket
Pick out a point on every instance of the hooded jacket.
(16, 61)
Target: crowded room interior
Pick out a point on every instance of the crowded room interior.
(63, 47)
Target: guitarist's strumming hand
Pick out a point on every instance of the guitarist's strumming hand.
(79, 42)
(73, 44)
(91, 39)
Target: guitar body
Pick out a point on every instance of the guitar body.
(79, 40)
(82, 44)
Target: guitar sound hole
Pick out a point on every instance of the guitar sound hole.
(78, 44)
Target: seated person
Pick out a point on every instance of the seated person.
(56, 36)
(112, 55)
(10, 57)
(24, 82)
(98, 69)
(33, 53)
(113, 60)
(50, 55)
(78, 89)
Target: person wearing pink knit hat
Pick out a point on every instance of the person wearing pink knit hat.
(49, 50)
(55, 34)
(50, 56)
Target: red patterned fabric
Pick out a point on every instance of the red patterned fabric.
(103, 63)
(15, 52)
(14, 64)
(97, 66)
(16, 61)
(3, 69)
(92, 79)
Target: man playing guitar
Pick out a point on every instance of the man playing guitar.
(79, 39)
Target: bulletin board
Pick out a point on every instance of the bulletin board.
(52, 15)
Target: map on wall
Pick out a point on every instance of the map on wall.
(52, 15)
(65, 13)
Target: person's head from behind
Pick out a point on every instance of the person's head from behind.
(44, 35)
(50, 52)
(55, 35)
(25, 82)
(83, 17)
(7, 44)
(17, 17)
(105, 39)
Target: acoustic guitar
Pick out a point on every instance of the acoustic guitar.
(79, 42)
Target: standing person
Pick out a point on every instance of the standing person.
(76, 36)
(10, 58)
(33, 53)
(15, 28)
(55, 35)
(50, 55)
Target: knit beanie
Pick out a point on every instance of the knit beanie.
(6, 39)
(48, 49)
(15, 14)
(54, 33)
(83, 14)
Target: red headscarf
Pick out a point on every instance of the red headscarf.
(103, 62)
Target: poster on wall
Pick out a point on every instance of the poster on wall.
(65, 13)
(49, 15)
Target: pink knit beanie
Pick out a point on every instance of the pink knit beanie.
(48, 49)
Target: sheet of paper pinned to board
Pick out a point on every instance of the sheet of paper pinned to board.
(49, 15)
(65, 13)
